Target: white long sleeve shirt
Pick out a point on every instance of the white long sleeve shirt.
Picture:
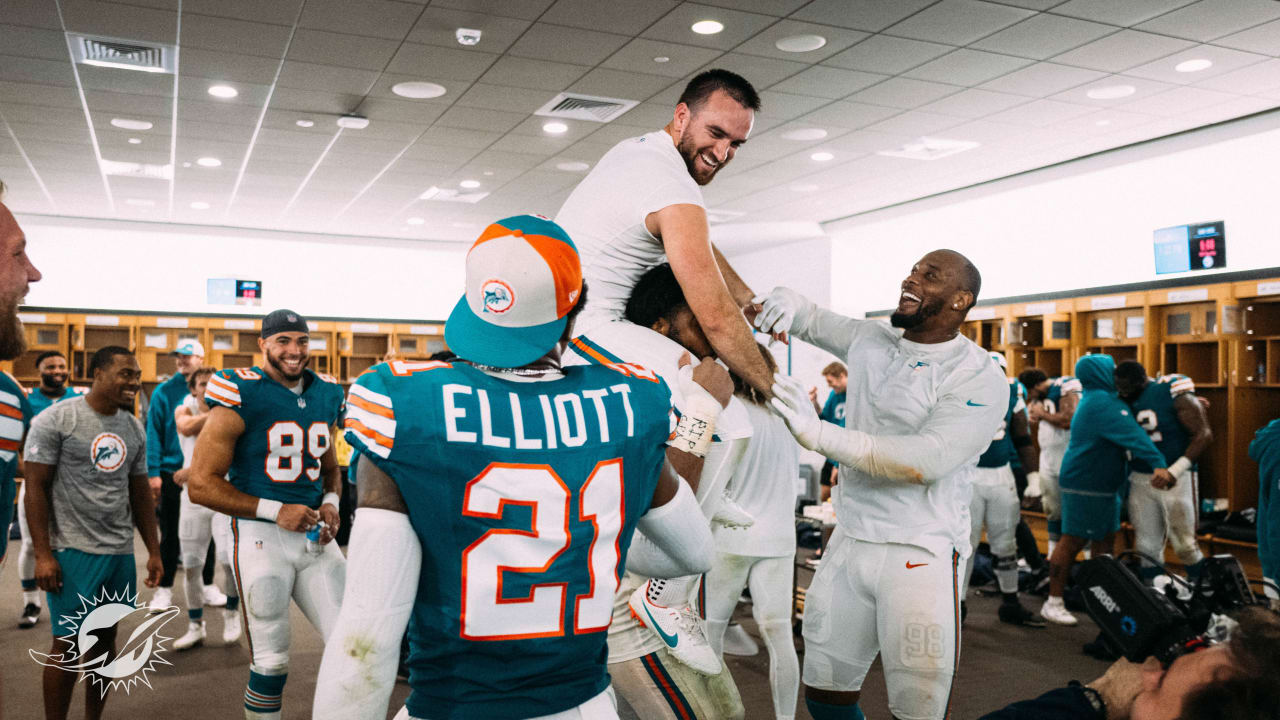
(930, 407)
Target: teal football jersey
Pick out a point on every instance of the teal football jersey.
(524, 496)
(1155, 412)
(1000, 452)
(285, 434)
(1059, 387)
(40, 402)
(15, 418)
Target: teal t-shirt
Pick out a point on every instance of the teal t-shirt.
(833, 412)
(524, 496)
(39, 401)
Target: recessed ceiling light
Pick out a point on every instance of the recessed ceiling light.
(223, 91)
(305, 123)
(469, 184)
(418, 90)
(821, 156)
(805, 134)
(707, 27)
(555, 128)
(572, 166)
(800, 43)
(186, 164)
(352, 121)
(1196, 65)
(127, 124)
(209, 162)
(1103, 123)
(198, 205)
(662, 59)
(488, 172)
(1111, 92)
(804, 187)
(135, 141)
(415, 221)
(139, 202)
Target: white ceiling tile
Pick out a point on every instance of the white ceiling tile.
(1210, 19)
(375, 18)
(779, 8)
(225, 67)
(967, 67)
(32, 42)
(886, 54)
(400, 111)
(126, 105)
(64, 97)
(326, 78)
(784, 106)
(228, 113)
(648, 114)
(311, 104)
(121, 21)
(529, 144)
(871, 15)
(248, 38)
(849, 115)
(538, 74)
(1040, 113)
(974, 103)
(498, 97)
(828, 82)
(1142, 88)
(607, 82)
(905, 93)
(1264, 39)
(33, 71)
(480, 119)
(1231, 109)
(386, 81)
(1102, 122)
(438, 26)
(281, 12)
(1123, 13)
(459, 137)
(1031, 4)
(1251, 80)
(33, 14)
(1224, 61)
(1042, 36)
(628, 18)
(681, 60)
(126, 81)
(765, 43)
(434, 63)
(761, 72)
(564, 44)
(1178, 101)
(738, 26)
(352, 51)
(523, 9)
(1042, 79)
(985, 132)
(914, 122)
(1123, 50)
(958, 22)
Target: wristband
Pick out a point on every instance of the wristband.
(694, 433)
(332, 498)
(268, 509)
(1180, 467)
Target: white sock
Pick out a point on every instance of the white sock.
(31, 597)
(671, 592)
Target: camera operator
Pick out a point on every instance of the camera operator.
(1232, 681)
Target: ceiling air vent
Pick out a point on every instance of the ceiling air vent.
(585, 107)
(121, 54)
(927, 148)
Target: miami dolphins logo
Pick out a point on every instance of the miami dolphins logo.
(90, 656)
(498, 296)
(108, 452)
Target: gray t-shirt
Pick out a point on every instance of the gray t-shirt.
(94, 457)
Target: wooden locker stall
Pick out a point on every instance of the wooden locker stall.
(417, 342)
(44, 331)
(233, 342)
(361, 345)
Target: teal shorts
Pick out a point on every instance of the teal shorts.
(86, 575)
(1091, 515)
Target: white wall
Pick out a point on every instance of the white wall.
(155, 267)
(1085, 224)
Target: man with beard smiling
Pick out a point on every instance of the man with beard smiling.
(271, 428)
(923, 403)
(639, 206)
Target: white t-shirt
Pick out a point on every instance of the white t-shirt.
(188, 442)
(605, 217)
(934, 407)
(764, 485)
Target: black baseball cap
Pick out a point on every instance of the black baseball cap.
(284, 321)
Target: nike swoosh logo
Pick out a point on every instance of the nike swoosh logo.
(971, 403)
(909, 567)
(670, 640)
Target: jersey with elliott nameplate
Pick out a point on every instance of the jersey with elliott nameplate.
(524, 496)
(277, 457)
(1156, 412)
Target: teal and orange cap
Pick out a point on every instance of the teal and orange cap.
(523, 278)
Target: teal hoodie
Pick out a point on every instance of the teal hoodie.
(1102, 429)
(1265, 450)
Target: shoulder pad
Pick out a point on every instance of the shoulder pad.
(239, 375)
(326, 377)
(633, 370)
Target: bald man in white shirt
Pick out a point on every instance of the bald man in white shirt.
(923, 403)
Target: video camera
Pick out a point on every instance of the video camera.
(1144, 622)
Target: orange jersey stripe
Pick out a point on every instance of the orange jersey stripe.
(374, 408)
(10, 411)
(6, 444)
(578, 344)
(365, 430)
(220, 395)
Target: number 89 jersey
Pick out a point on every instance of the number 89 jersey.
(278, 455)
(524, 496)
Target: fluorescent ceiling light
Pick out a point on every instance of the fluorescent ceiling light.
(353, 122)
(800, 43)
(555, 128)
(123, 66)
(469, 184)
(707, 27)
(138, 170)
(418, 90)
(1111, 92)
(209, 162)
(662, 59)
(573, 166)
(127, 124)
(223, 91)
(415, 221)
(821, 156)
(929, 149)
(1196, 65)
(198, 205)
(802, 134)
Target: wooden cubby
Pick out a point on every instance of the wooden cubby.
(417, 342)
(233, 343)
(89, 333)
(361, 346)
(44, 332)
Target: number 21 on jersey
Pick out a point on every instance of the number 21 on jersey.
(286, 441)
(486, 614)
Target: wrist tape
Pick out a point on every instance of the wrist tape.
(268, 509)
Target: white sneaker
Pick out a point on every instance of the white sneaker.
(230, 626)
(194, 636)
(731, 515)
(1055, 612)
(213, 597)
(162, 600)
(680, 629)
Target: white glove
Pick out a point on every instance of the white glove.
(1033, 484)
(780, 310)
(791, 402)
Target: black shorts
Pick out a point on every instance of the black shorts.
(825, 476)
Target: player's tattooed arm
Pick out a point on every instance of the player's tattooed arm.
(376, 489)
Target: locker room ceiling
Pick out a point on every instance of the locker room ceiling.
(1032, 82)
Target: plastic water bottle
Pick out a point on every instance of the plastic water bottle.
(313, 539)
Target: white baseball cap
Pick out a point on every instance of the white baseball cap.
(189, 347)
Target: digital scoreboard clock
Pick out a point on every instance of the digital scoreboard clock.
(1202, 246)
(229, 291)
